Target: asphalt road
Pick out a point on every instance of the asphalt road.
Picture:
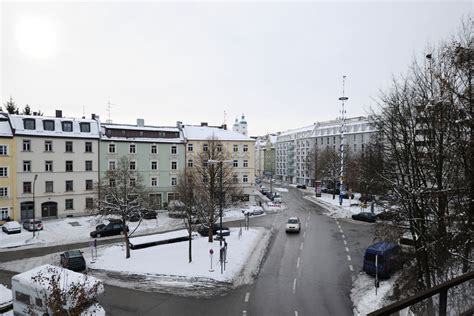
(309, 273)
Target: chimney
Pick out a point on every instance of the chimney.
(93, 116)
(35, 113)
(59, 113)
(179, 124)
(140, 122)
(224, 127)
(203, 123)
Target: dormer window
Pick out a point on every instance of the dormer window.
(29, 124)
(48, 125)
(85, 127)
(67, 126)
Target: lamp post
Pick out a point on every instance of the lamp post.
(34, 205)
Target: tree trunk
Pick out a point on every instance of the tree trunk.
(190, 248)
(127, 244)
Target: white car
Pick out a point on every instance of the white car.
(293, 225)
(11, 227)
(256, 210)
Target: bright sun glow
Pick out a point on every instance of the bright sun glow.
(36, 37)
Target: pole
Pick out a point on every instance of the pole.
(34, 205)
(220, 203)
(341, 149)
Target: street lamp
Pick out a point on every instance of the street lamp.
(34, 205)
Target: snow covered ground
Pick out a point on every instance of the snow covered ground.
(363, 293)
(166, 267)
(5, 296)
(77, 229)
(347, 209)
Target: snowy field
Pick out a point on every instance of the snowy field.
(347, 209)
(77, 229)
(363, 293)
(160, 268)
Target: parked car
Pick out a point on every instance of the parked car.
(365, 217)
(345, 195)
(11, 227)
(256, 210)
(387, 256)
(149, 214)
(277, 199)
(114, 227)
(293, 225)
(31, 225)
(301, 186)
(73, 260)
(388, 215)
(203, 230)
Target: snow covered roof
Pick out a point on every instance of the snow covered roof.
(206, 132)
(18, 125)
(141, 128)
(298, 130)
(5, 129)
(142, 133)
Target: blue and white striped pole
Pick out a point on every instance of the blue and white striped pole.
(341, 146)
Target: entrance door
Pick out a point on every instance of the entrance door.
(155, 199)
(26, 210)
(49, 209)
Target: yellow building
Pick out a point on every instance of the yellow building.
(7, 171)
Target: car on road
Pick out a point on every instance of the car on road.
(256, 210)
(293, 225)
(301, 186)
(11, 227)
(365, 217)
(114, 227)
(203, 230)
(73, 260)
(31, 225)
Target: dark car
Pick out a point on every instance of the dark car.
(365, 217)
(301, 186)
(134, 217)
(73, 260)
(112, 228)
(149, 214)
(389, 215)
(203, 230)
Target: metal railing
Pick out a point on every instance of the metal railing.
(441, 289)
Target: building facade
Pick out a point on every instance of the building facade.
(156, 153)
(7, 171)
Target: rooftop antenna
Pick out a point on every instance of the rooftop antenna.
(225, 117)
(109, 111)
(343, 99)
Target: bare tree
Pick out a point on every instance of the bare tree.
(121, 193)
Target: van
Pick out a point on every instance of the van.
(388, 259)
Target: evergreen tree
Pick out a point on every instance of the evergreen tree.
(11, 107)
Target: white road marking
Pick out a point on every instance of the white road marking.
(343, 236)
(294, 286)
(244, 313)
(347, 249)
(247, 296)
(345, 242)
(340, 230)
(348, 258)
(301, 246)
(298, 263)
(307, 224)
(304, 234)
(308, 217)
(296, 313)
(351, 267)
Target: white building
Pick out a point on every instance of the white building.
(57, 165)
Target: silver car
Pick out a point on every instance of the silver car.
(293, 225)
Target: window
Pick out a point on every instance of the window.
(132, 165)
(88, 148)
(89, 203)
(21, 297)
(69, 204)
(173, 196)
(26, 166)
(190, 147)
(48, 125)
(219, 147)
(69, 185)
(3, 171)
(112, 148)
(154, 182)
(236, 163)
(3, 150)
(132, 149)
(27, 187)
(89, 185)
(354, 137)
(48, 145)
(327, 140)
(246, 148)
(67, 126)
(4, 213)
(132, 182)
(112, 183)
(111, 164)
(205, 147)
(174, 165)
(355, 147)
(246, 163)
(85, 127)
(29, 124)
(153, 149)
(190, 163)
(69, 166)
(174, 150)
(205, 164)
(88, 165)
(245, 178)
(4, 192)
(48, 166)
(236, 148)
(49, 186)
(26, 145)
(173, 181)
(69, 147)
(235, 179)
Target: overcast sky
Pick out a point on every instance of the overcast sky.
(279, 63)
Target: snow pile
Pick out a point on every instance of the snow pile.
(270, 206)
(281, 189)
(347, 209)
(5, 296)
(363, 293)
